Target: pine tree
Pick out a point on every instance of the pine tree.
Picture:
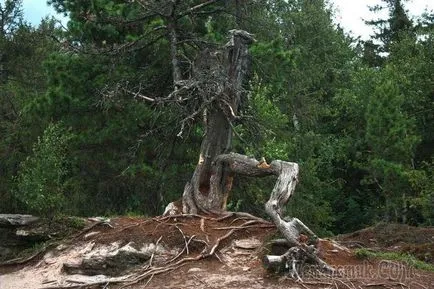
(387, 31)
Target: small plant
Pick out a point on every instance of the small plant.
(75, 223)
(364, 253)
(234, 205)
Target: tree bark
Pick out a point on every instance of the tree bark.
(199, 195)
(216, 185)
(173, 38)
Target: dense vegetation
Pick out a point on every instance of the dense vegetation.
(78, 137)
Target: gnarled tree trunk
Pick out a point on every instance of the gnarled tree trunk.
(228, 165)
(233, 63)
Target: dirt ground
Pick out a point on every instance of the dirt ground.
(416, 241)
(213, 252)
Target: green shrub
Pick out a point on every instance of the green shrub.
(363, 253)
(41, 177)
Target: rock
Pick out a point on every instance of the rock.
(99, 219)
(49, 261)
(61, 247)
(195, 270)
(36, 234)
(49, 258)
(172, 209)
(248, 244)
(88, 235)
(112, 260)
(15, 220)
(73, 268)
(77, 279)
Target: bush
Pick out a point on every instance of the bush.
(41, 177)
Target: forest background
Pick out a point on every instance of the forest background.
(78, 135)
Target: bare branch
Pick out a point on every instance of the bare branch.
(231, 110)
(139, 95)
(197, 7)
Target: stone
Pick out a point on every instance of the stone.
(99, 219)
(15, 220)
(88, 235)
(248, 244)
(36, 234)
(195, 270)
(112, 260)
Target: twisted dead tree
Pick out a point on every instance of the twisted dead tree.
(298, 253)
(226, 71)
(216, 92)
(214, 88)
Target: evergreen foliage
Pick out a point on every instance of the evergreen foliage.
(74, 127)
(42, 177)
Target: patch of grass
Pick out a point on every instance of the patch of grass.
(364, 253)
(76, 223)
(410, 260)
(133, 214)
(66, 223)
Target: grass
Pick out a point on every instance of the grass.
(410, 260)
(75, 223)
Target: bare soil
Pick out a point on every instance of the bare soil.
(230, 265)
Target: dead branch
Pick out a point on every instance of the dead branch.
(186, 248)
(384, 284)
(244, 227)
(317, 283)
(227, 215)
(202, 225)
(346, 285)
(20, 261)
(218, 242)
(87, 229)
(162, 218)
(135, 225)
(153, 254)
(183, 236)
(197, 7)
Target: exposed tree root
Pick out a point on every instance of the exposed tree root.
(149, 271)
(87, 229)
(298, 253)
(240, 215)
(292, 229)
(24, 260)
